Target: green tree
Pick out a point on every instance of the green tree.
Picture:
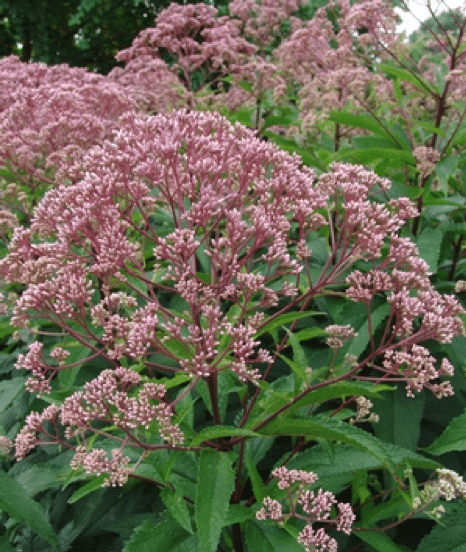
(449, 20)
(84, 33)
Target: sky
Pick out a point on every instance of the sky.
(419, 9)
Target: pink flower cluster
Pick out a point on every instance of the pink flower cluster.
(316, 508)
(261, 22)
(118, 397)
(337, 335)
(96, 462)
(198, 39)
(330, 67)
(249, 207)
(56, 115)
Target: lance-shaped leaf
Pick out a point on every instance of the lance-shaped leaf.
(17, 504)
(214, 487)
(453, 438)
(323, 427)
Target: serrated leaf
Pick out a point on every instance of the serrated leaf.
(450, 536)
(9, 390)
(299, 357)
(237, 513)
(371, 154)
(215, 484)
(293, 147)
(399, 418)
(329, 460)
(215, 432)
(176, 505)
(397, 505)
(147, 537)
(5, 545)
(18, 505)
(258, 485)
(452, 438)
(310, 333)
(339, 390)
(323, 427)
(446, 168)
(431, 128)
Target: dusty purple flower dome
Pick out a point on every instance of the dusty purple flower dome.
(192, 205)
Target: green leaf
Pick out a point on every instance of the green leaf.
(446, 168)
(283, 120)
(310, 333)
(215, 483)
(266, 536)
(237, 513)
(165, 536)
(429, 243)
(176, 505)
(178, 379)
(361, 121)
(329, 460)
(18, 505)
(396, 506)
(431, 128)
(420, 83)
(9, 390)
(360, 342)
(321, 426)
(283, 319)
(258, 485)
(379, 541)
(364, 142)
(86, 489)
(5, 545)
(452, 438)
(300, 362)
(340, 389)
(399, 418)
(371, 154)
(214, 432)
(450, 536)
(293, 147)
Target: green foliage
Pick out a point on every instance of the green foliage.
(214, 487)
(450, 534)
(15, 502)
(204, 497)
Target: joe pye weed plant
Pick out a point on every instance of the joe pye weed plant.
(202, 315)
(183, 266)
